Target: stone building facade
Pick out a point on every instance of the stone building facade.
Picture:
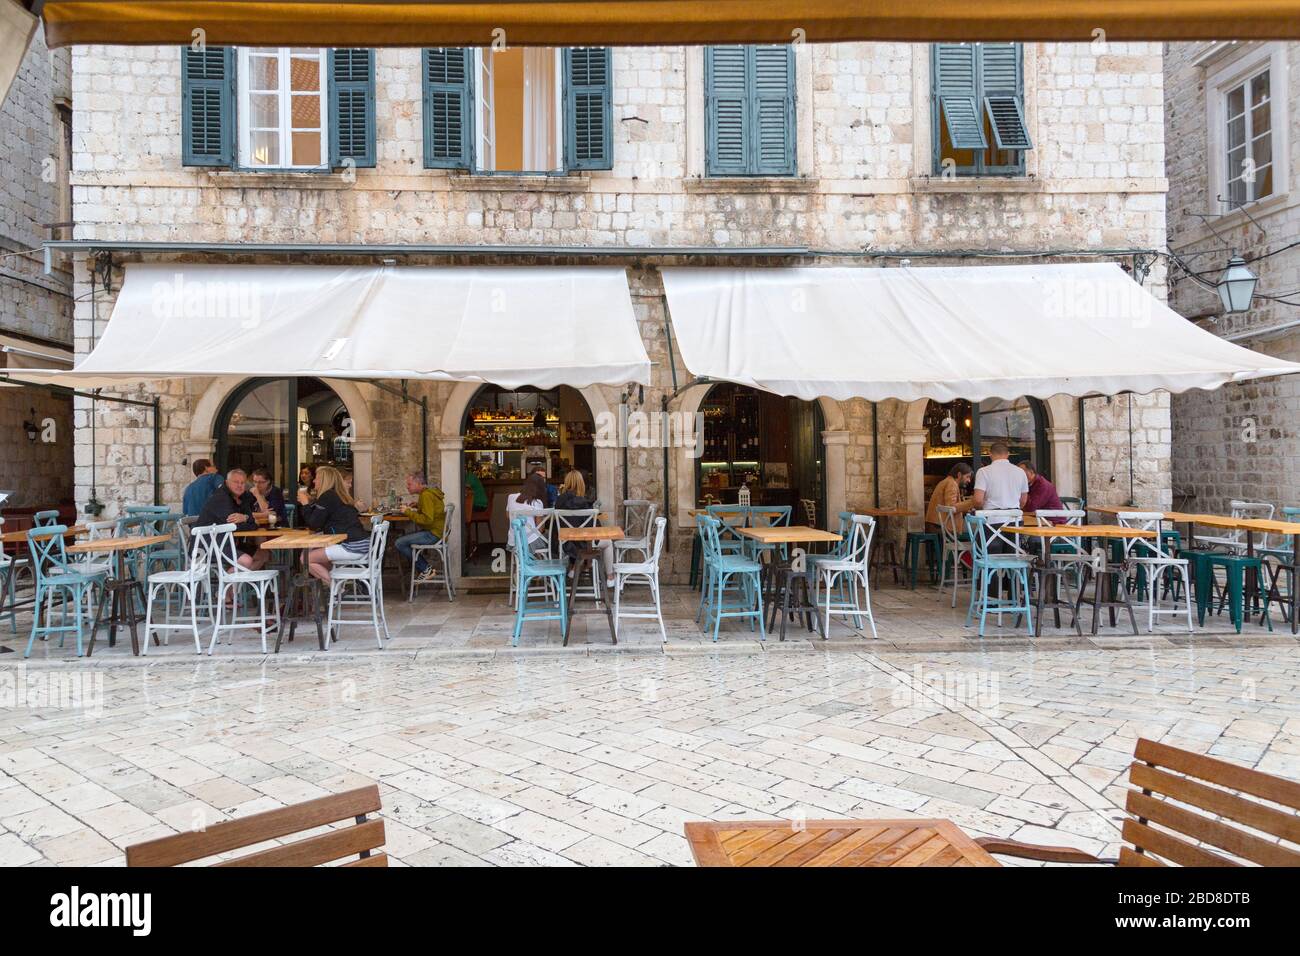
(1243, 441)
(35, 308)
(866, 186)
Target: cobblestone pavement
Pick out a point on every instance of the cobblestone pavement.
(595, 755)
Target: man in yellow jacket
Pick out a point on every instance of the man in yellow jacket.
(429, 515)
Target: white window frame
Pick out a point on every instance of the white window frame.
(286, 129)
(485, 140)
(1222, 78)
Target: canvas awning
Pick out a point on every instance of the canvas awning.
(510, 326)
(656, 22)
(973, 332)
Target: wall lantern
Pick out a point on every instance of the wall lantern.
(1236, 286)
(29, 426)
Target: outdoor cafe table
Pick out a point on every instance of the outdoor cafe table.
(789, 534)
(916, 842)
(119, 591)
(581, 536)
(300, 594)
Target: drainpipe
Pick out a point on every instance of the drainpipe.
(875, 454)
(157, 459)
(1083, 456)
(672, 365)
(424, 434)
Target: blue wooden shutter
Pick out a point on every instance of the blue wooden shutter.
(351, 76)
(588, 108)
(207, 106)
(773, 147)
(727, 105)
(1002, 86)
(957, 96)
(448, 81)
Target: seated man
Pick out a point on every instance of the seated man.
(232, 503)
(206, 480)
(429, 515)
(1042, 493)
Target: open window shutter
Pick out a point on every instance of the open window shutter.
(1003, 89)
(207, 106)
(448, 80)
(588, 109)
(773, 110)
(956, 92)
(727, 106)
(352, 106)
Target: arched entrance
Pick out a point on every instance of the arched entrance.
(767, 443)
(283, 424)
(964, 431)
(507, 433)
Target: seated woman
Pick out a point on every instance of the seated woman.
(529, 500)
(333, 512)
(949, 492)
(573, 497)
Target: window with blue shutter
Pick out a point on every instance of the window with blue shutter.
(448, 99)
(588, 109)
(978, 114)
(749, 111)
(207, 106)
(351, 75)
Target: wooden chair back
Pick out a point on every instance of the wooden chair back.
(363, 837)
(1192, 810)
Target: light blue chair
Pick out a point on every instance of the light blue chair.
(778, 517)
(7, 571)
(45, 519)
(551, 571)
(731, 518)
(57, 577)
(723, 571)
(989, 571)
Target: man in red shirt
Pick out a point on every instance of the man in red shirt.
(1042, 493)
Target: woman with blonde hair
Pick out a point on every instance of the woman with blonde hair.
(333, 512)
(573, 497)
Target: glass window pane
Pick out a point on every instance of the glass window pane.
(1236, 101)
(1237, 192)
(305, 112)
(306, 149)
(264, 148)
(1261, 119)
(1236, 132)
(258, 432)
(1259, 89)
(263, 72)
(264, 111)
(1264, 181)
(304, 75)
(1262, 153)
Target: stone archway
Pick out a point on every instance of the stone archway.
(835, 439)
(451, 444)
(202, 443)
(1062, 439)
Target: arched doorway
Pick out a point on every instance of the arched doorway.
(769, 443)
(964, 431)
(507, 433)
(283, 424)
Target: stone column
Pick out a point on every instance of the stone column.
(914, 476)
(363, 461)
(449, 477)
(1063, 468)
(835, 443)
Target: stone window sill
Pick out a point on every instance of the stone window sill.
(276, 179)
(976, 184)
(525, 182)
(751, 184)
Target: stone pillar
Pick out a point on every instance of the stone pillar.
(1064, 464)
(835, 443)
(449, 476)
(914, 475)
(363, 461)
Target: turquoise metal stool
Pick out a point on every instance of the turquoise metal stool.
(723, 571)
(55, 576)
(988, 569)
(1235, 567)
(933, 543)
(550, 570)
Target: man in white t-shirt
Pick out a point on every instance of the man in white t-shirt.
(1000, 484)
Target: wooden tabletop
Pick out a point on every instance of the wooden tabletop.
(888, 512)
(20, 537)
(388, 515)
(1270, 525)
(1078, 531)
(292, 540)
(791, 534)
(757, 512)
(834, 843)
(598, 533)
(129, 543)
(270, 532)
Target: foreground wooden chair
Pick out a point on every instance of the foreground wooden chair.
(1183, 810)
(365, 836)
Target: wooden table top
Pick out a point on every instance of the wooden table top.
(758, 512)
(20, 537)
(791, 534)
(270, 532)
(388, 515)
(1270, 525)
(292, 541)
(598, 533)
(834, 843)
(1078, 531)
(888, 512)
(129, 543)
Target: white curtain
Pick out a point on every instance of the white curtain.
(540, 147)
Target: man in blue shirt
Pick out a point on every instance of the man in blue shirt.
(206, 480)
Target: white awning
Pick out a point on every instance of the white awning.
(510, 326)
(973, 332)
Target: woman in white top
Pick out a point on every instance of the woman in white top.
(531, 500)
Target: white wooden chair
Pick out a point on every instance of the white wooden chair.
(1150, 555)
(188, 582)
(853, 566)
(441, 550)
(641, 572)
(232, 579)
(361, 584)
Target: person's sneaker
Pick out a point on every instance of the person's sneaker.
(428, 574)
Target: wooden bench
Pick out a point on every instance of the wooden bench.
(1183, 807)
(361, 838)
